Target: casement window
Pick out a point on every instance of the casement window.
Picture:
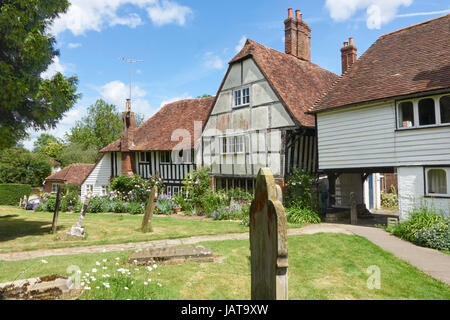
(55, 187)
(437, 181)
(105, 190)
(90, 188)
(144, 157)
(233, 144)
(424, 112)
(165, 156)
(241, 97)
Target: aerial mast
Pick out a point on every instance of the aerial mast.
(130, 61)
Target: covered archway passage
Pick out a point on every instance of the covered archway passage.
(366, 183)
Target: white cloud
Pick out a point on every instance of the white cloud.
(213, 61)
(53, 68)
(240, 44)
(180, 97)
(116, 92)
(74, 45)
(96, 15)
(168, 12)
(378, 12)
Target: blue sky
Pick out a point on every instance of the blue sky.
(186, 45)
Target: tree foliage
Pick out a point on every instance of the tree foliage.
(77, 153)
(102, 125)
(21, 166)
(26, 50)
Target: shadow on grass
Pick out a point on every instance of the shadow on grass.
(12, 227)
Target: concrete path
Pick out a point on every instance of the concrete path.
(22, 255)
(431, 262)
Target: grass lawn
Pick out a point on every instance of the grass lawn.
(27, 230)
(321, 266)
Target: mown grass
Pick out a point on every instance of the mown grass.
(321, 266)
(23, 230)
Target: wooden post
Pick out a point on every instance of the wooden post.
(353, 210)
(55, 215)
(147, 220)
(268, 241)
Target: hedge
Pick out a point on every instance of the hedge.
(11, 193)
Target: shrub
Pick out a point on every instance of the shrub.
(420, 218)
(136, 208)
(134, 188)
(118, 206)
(10, 194)
(302, 191)
(165, 204)
(99, 204)
(299, 215)
(389, 200)
(436, 236)
(222, 213)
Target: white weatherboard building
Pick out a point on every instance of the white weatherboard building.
(390, 112)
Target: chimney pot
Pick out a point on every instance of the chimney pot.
(290, 13)
(298, 15)
(350, 41)
(348, 55)
(345, 44)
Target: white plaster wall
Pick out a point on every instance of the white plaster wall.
(411, 193)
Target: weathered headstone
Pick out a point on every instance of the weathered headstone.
(42, 288)
(147, 220)
(55, 215)
(268, 241)
(78, 230)
(354, 209)
(172, 255)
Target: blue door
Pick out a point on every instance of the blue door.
(370, 191)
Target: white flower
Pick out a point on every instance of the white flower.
(126, 288)
(87, 274)
(97, 263)
(159, 284)
(149, 280)
(79, 271)
(44, 261)
(149, 268)
(104, 260)
(117, 258)
(97, 287)
(93, 278)
(117, 263)
(145, 283)
(94, 270)
(106, 284)
(104, 268)
(155, 266)
(87, 288)
(136, 269)
(135, 261)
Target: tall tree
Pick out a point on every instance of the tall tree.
(102, 125)
(43, 140)
(26, 50)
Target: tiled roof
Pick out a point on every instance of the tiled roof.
(411, 60)
(156, 132)
(298, 83)
(75, 173)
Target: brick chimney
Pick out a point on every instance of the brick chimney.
(127, 140)
(297, 36)
(348, 55)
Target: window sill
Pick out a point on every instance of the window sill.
(437, 196)
(241, 106)
(424, 127)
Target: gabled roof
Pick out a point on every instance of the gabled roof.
(75, 173)
(298, 83)
(411, 60)
(156, 132)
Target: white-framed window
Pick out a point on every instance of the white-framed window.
(55, 187)
(423, 112)
(165, 156)
(90, 188)
(241, 97)
(105, 190)
(437, 182)
(233, 144)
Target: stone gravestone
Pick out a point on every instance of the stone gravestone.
(77, 230)
(268, 241)
(147, 220)
(172, 255)
(354, 209)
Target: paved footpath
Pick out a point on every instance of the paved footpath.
(431, 262)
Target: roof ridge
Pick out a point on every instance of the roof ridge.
(413, 26)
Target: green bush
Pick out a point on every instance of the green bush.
(420, 218)
(10, 194)
(134, 188)
(136, 208)
(298, 215)
(118, 206)
(389, 200)
(302, 191)
(165, 204)
(99, 204)
(436, 236)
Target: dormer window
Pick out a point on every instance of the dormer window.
(424, 112)
(241, 97)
